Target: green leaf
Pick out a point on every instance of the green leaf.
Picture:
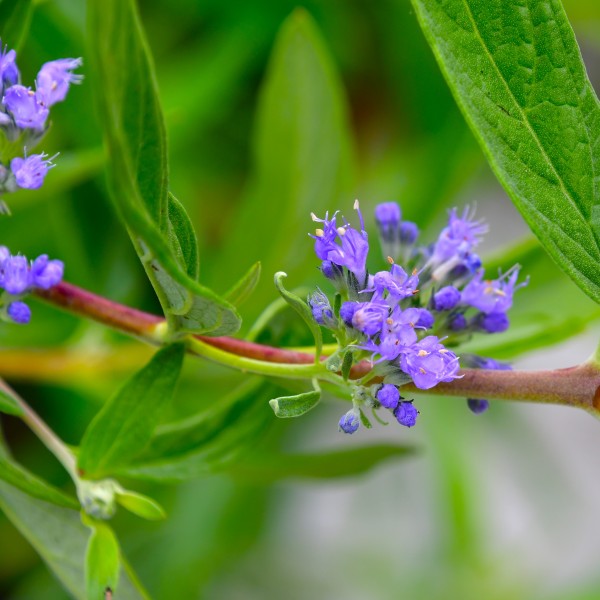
(517, 74)
(303, 156)
(303, 310)
(214, 454)
(141, 505)
(102, 563)
(287, 407)
(266, 467)
(15, 19)
(21, 478)
(8, 404)
(60, 538)
(245, 286)
(138, 175)
(124, 426)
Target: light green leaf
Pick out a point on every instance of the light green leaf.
(245, 286)
(287, 407)
(124, 426)
(517, 74)
(303, 310)
(303, 157)
(141, 505)
(102, 563)
(138, 175)
(266, 467)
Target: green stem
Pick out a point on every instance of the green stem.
(44, 433)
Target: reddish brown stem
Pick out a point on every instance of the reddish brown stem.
(575, 386)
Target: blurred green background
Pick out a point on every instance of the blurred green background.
(498, 506)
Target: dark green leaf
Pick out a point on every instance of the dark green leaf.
(135, 137)
(295, 406)
(141, 505)
(102, 564)
(265, 467)
(245, 286)
(124, 426)
(303, 310)
(517, 74)
(364, 420)
(15, 19)
(347, 364)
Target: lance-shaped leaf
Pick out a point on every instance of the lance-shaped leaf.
(138, 174)
(124, 426)
(516, 72)
(286, 407)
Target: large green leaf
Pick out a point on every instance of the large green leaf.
(302, 152)
(102, 563)
(138, 174)
(517, 74)
(124, 426)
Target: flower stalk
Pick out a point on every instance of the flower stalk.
(576, 386)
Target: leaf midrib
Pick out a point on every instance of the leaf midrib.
(524, 119)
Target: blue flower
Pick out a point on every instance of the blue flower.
(406, 414)
(9, 73)
(321, 309)
(460, 236)
(388, 396)
(347, 311)
(492, 296)
(46, 273)
(55, 77)
(409, 232)
(349, 422)
(325, 237)
(26, 106)
(369, 317)
(387, 216)
(19, 312)
(396, 282)
(16, 277)
(446, 298)
(495, 322)
(428, 362)
(477, 405)
(30, 172)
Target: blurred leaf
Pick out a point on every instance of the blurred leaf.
(135, 138)
(102, 563)
(141, 505)
(267, 467)
(520, 81)
(295, 406)
(19, 477)
(302, 308)
(124, 426)
(15, 19)
(240, 434)
(302, 153)
(245, 286)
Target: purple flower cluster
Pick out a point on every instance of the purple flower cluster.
(18, 277)
(405, 319)
(24, 116)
